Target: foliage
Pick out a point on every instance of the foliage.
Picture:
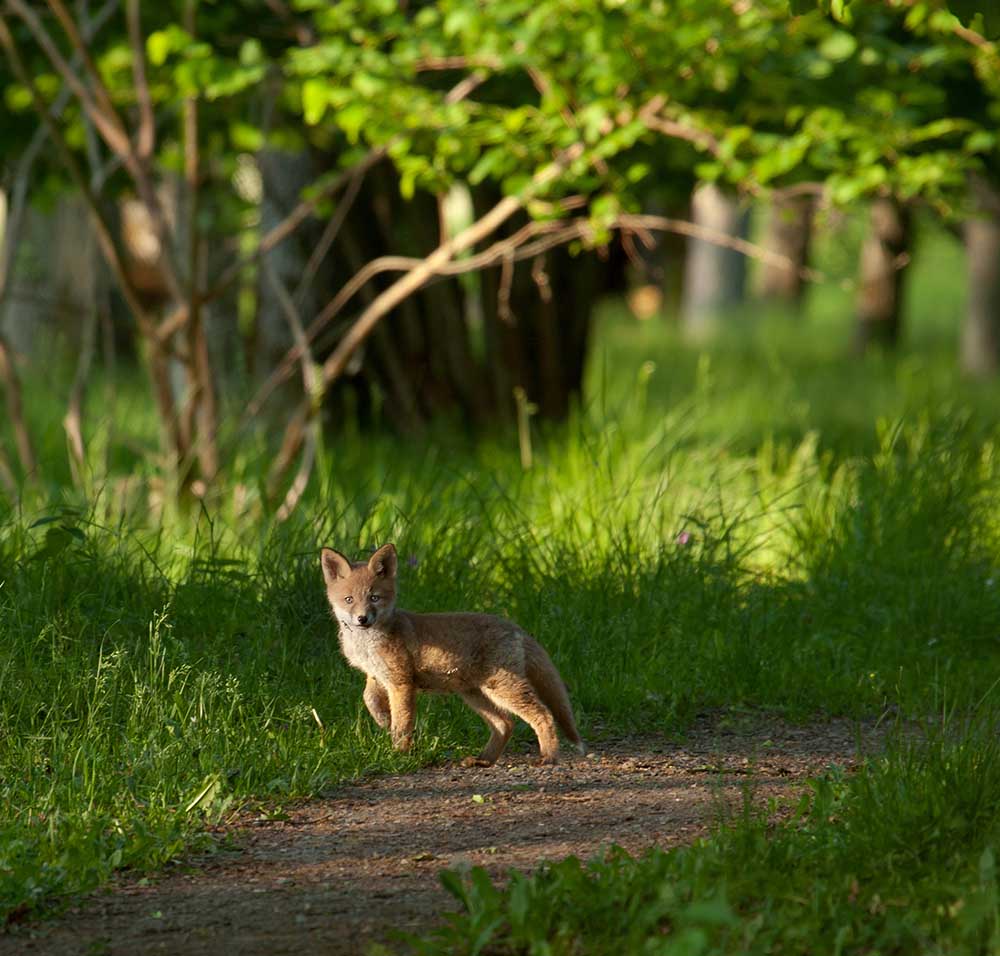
(874, 96)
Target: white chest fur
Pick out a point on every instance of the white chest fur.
(361, 648)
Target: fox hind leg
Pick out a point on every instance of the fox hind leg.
(514, 693)
(501, 726)
(377, 701)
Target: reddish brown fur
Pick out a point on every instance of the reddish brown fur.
(498, 670)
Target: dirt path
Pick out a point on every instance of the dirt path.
(345, 870)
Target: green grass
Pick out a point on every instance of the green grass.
(767, 523)
(899, 858)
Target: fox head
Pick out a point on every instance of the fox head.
(360, 594)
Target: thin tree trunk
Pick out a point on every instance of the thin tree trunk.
(715, 277)
(201, 378)
(789, 231)
(980, 348)
(884, 256)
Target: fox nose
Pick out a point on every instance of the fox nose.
(363, 620)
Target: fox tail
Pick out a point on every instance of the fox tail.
(545, 679)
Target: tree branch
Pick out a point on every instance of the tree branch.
(329, 235)
(105, 239)
(290, 223)
(81, 49)
(145, 141)
(313, 386)
(109, 125)
(307, 207)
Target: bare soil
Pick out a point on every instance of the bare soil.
(348, 869)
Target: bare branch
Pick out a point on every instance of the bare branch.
(677, 130)
(313, 386)
(101, 227)
(506, 283)
(742, 246)
(414, 279)
(145, 141)
(436, 63)
(81, 51)
(310, 379)
(301, 481)
(291, 222)
(531, 240)
(462, 89)
(108, 124)
(334, 366)
(105, 239)
(329, 235)
(22, 174)
(307, 207)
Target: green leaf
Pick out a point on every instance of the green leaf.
(838, 46)
(351, 118)
(452, 882)
(314, 100)
(207, 795)
(251, 52)
(246, 137)
(841, 10)
(161, 43)
(158, 47)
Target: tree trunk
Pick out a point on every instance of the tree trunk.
(714, 277)
(789, 231)
(980, 348)
(54, 281)
(884, 255)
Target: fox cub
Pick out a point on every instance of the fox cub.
(497, 669)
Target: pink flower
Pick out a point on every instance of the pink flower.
(683, 538)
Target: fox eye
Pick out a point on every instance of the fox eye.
(376, 598)
(348, 599)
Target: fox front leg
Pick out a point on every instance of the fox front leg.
(377, 701)
(402, 701)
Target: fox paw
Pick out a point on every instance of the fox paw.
(468, 762)
(545, 762)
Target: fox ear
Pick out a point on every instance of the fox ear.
(335, 565)
(383, 561)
